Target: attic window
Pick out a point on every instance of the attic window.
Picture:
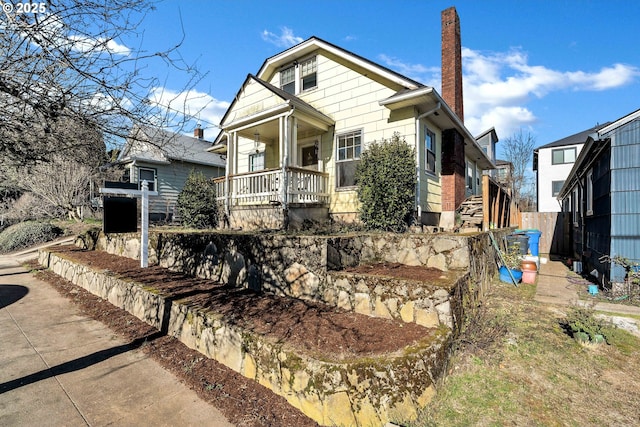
(288, 80)
(299, 77)
(308, 74)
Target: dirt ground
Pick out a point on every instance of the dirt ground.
(334, 334)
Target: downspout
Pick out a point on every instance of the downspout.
(582, 227)
(132, 168)
(418, 183)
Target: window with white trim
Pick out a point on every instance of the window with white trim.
(429, 150)
(256, 162)
(308, 74)
(149, 175)
(349, 148)
(288, 80)
(300, 76)
(589, 191)
(562, 156)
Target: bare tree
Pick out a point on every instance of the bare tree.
(518, 149)
(68, 61)
(61, 184)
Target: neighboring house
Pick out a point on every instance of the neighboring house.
(602, 195)
(504, 173)
(165, 160)
(487, 140)
(552, 163)
(295, 132)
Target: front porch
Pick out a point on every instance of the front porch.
(273, 198)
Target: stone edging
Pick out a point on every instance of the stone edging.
(368, 391)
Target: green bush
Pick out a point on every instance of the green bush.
(386, 179)
(26, 234)
(197, 204)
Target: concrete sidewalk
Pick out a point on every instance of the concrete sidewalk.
(61, 368)
(554, 287)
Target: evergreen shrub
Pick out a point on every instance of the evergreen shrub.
(197, 204)
(386, 179)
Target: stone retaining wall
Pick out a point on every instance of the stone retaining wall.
(368, 391)
(308, 267)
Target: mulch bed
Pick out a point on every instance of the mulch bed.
(311, 327)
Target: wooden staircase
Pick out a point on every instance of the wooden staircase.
(470, 212)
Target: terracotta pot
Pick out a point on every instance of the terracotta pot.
(528, 265)
(529, 276)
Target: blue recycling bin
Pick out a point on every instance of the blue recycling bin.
(534, 241)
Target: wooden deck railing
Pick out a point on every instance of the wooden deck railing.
(264, 187)
(498, 208)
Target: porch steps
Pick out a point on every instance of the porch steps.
(471, 213)
(332, 390)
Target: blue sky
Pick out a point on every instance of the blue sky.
(552, 68)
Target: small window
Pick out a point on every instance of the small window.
(288, 80)
(256, 162)
(563, 156)
(308, 74)
(469, 175)
(148, 175)
(589, 193)
(556, 186)
(429, 151)
(576, 206)
(348, 156)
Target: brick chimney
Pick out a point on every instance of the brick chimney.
(452, 61)
(453, 159)
(198, 132)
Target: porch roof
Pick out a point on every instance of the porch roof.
(250, 123)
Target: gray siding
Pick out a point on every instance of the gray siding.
(625, 194)
(171, 179)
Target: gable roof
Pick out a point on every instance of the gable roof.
(593, 144)
(289, 101)
(166, 146)
(288, 56)
(491, 131)
(576, 138)
(429, 102)
(609, 126)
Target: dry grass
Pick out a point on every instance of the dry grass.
(517, 365)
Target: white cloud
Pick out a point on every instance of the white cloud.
(98, 45)
(498, 86)
(417, 72)
(285, 39)
(192, 104)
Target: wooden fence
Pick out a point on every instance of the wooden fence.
(555, 229)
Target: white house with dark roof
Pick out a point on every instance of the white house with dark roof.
(165, 160)
(552, 163)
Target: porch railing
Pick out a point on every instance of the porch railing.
(265, 187)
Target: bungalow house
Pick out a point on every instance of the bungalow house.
(602, 195)
(552, 163)
(164, 159)
(295, 131)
